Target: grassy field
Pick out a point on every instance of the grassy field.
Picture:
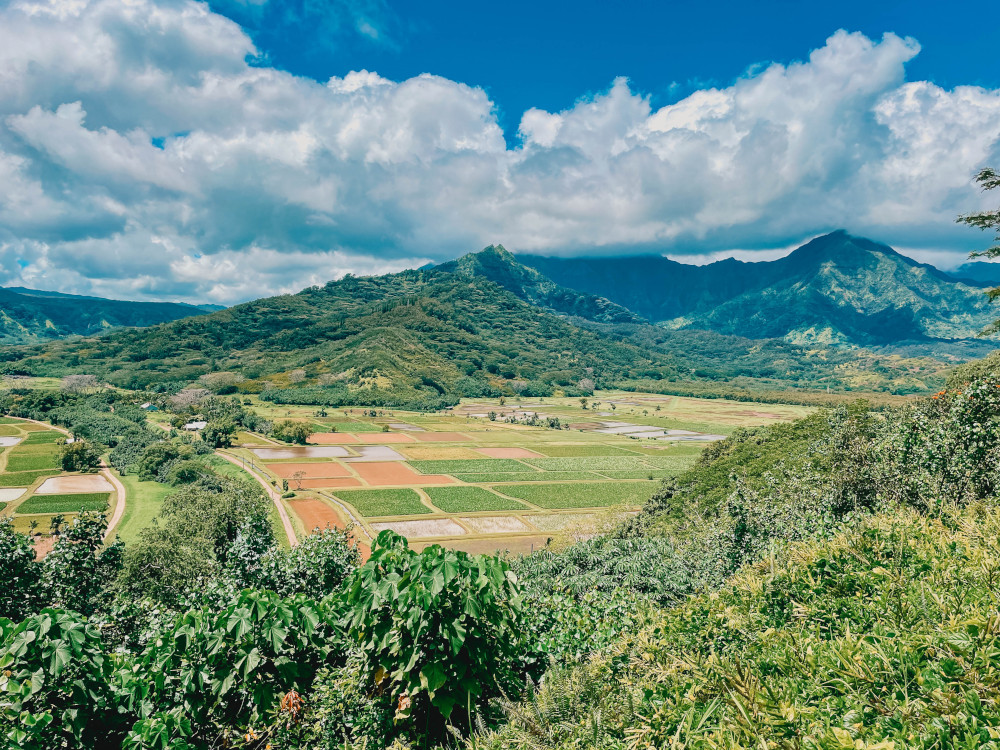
(144, 500)
(70, 503)
(469, 500)
(582, 495)
(376, 503)
(43, 437)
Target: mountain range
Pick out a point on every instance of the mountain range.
(836, 289)
(30, 315)
(488, 324)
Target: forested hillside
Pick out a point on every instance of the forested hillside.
(28, 315)
(427, 338)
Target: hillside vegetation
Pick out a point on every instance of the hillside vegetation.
(424, 339)
(28, 316)
(836, 289)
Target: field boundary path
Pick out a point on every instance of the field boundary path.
(275, 496)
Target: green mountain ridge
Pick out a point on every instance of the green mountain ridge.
(836, 289)
(428, 338)
(30, 315)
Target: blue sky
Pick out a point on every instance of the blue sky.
(170, 149)
(531, 53)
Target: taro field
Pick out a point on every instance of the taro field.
(486, 477)
(36, 495)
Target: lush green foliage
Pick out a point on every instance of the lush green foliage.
(439, 629)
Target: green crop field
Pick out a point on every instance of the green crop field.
(44, 436)
(593, 463)
(469, 500)
(9, 430)
(576, 451)
(70, 503)
(24, 461)
(486, 465)
(24, 478)
(535, 476)
(376, 503)
(583, 495)
(639, 474)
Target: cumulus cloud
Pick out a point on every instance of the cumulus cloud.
(145, 152)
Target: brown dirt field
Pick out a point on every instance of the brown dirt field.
(428, 527)
(509, 453)
(315, 484)
(518, 545)
(437, 453)
(312, 471)
(396, 473)
(85, 483)
(442, 437)
(315, 513)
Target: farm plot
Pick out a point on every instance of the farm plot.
(592, 463)
(74, 483)
(486, 465)
(580, 495)
(381, 503)
(508, 453)
(579, 451)
(528, 476)
(396, 473)
(69, 503)
(325, 469)
(421, 528)
(469, 499)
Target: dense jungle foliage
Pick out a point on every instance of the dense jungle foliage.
(829, 583)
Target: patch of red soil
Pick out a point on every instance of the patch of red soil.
(43, 546)
(442, 437)
(396, 473)
(315, 514)
(332, 438)
(384, 437)
(311, 470)
(508, 453)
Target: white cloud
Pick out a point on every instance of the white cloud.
(142, 155)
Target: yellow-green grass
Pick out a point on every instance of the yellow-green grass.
(377, 503)
(671, 449)
(536, 476)
(350, 426)
(69, 503)
(24, 478)
(674, 463)
(577, 451)
(469, 500)
(9, 430)
(43, 522)
(580, 495)
(9, 420)
(485, 465)
(143, 503)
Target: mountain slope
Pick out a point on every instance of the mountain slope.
(499, 266)
(836, 289)
(28, 315)
(401, 338)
